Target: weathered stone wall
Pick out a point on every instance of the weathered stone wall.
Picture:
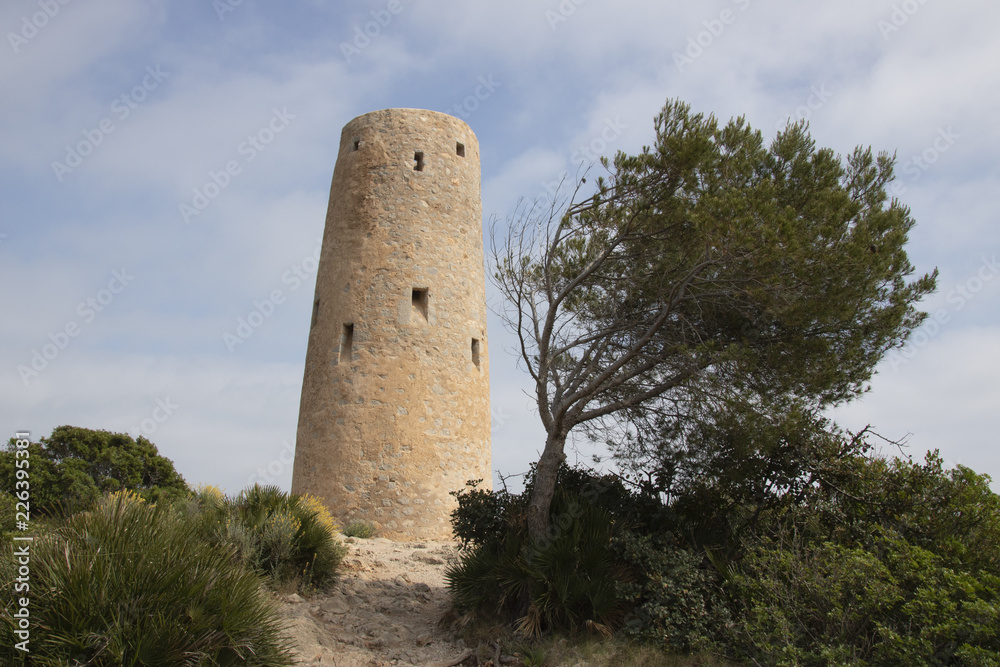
(395, 398)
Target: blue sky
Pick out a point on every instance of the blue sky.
(120, 118)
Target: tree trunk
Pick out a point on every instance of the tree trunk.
(544, 489)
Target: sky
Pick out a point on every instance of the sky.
(129, 254)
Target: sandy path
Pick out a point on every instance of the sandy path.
(384, 609)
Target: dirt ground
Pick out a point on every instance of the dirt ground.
(385, 609)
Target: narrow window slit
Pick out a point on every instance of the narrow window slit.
(347, 343)
(475, 352)
(419, 301)
(418, 159)
(357, 144)
(460, 149)
(315, 317)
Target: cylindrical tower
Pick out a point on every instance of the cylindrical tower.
(395, 399)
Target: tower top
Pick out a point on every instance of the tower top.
(407, 111)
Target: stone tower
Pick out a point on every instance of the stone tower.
(395, 398)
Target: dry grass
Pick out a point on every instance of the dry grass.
(576, 652)
(614, 653)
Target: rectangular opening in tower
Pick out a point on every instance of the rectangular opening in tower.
(418, 161)
(419, 301)
(347, 343)
(475, 352)
(460, 149)
(315, 317)
(357, 144)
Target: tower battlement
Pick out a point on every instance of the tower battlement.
(395, 398)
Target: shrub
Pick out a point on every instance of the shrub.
(892, 603)
(7, 516)
(951, 513)
(676, 600)
(288, 538)
(872, 562)
(485, 517)
(602, 532)
(359, 529)
(565, 583)
(73, 467)
(131, 583)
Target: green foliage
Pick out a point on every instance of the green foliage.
(288, 538)
(890, 562)
(359, 529)
(72, 468)
(951, 513)
(483, 518)
(130, 583)
(534, 656)
(866, 562)
(675, 600)
(743, 467)
(566, 582)
(7, 517)
(786, 264)
(601, 533)
(891, 603)
(711, 276)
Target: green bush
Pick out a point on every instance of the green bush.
(675, 598)
(130, 583)
(891, 603)
(565, 583)
(288, 538)
(73, 467)
(485, 517)
(359, 529)
(951, 513)
(7, 517)
(602, 532)
(868, 562)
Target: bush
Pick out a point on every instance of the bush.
(871, 561)
(131, 583)
(359, 529)
(483, 518)
(73, 467)
(7, 516)
(291, 539)
(602, 533)
(676, 600)
(565, 583)
(892, 603)
(951, 513)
